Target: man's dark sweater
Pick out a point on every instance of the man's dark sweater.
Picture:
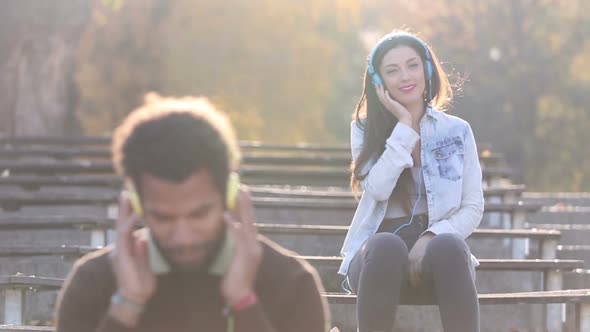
(288, 290)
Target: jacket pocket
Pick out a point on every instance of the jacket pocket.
(449, 159)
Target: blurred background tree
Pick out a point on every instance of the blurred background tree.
(291, 70)
(38, 45)
(272, 65)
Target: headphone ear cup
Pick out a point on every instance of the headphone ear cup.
(377, 80)
(135, 203)
(233, 188)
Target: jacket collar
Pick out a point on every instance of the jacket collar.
(431, 112)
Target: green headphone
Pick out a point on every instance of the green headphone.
(232, 189)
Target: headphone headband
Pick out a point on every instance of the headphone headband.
(428, 63)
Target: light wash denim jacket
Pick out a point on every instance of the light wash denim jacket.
(452, 176)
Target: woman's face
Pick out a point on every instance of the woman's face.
(402, 73)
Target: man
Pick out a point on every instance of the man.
(196, 266)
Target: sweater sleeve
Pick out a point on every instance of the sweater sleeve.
(307, 310)
(79, 306)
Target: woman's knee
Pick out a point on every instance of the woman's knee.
(444, 247)
(386, 247)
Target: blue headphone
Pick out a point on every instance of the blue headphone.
(428, 62)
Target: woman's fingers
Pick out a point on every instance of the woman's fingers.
(390, 104)
(379, 89)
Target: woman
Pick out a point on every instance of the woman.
(419, 171)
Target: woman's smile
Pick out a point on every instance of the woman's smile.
(407, 88)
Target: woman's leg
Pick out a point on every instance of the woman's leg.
(376, 275)
(447, 263)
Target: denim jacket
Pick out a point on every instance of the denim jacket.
(452, 176)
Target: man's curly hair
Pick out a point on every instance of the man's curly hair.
(172, 138)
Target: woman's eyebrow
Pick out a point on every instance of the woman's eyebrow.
(396, 65)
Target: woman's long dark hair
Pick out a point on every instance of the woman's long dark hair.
(378, 123)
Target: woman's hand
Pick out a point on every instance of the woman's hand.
(416, 257)
(393, 106)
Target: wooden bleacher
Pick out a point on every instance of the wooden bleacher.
(262, 163)
(291, 180)
(251, 174)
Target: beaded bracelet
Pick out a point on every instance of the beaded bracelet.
(245, 303)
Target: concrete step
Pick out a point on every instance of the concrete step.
(571, 234)
(506, 317)
(517, 275)
(303, 239)
(578, 279)
(289, 210)
(522, 310)
(581, 252)
(557, 198)
(561, 215)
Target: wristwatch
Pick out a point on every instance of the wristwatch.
(118, 299)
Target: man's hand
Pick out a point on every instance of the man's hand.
(416, 256)
(240, 277)
(136, 282)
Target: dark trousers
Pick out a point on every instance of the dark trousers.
(378, 274)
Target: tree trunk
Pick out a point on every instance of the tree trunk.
(38, 45)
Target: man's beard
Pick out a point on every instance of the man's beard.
(211, 249)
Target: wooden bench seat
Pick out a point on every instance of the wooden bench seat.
(341, 230)
(99, 227)
(485, 264)
(263, 191)
(64, 251)
(25, 328)
(33, 198)
(16, 223)
(250, 158)
(35, 182)
(580, 298)
(514, 213)
(552, 269)
(105, 141)
(15, 286)
(312, 174)
(84, 142)
(563, 227)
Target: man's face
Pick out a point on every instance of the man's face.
(185, 218)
